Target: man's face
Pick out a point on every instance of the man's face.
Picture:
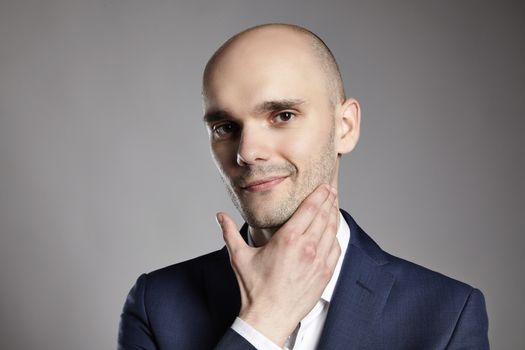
(271, 126)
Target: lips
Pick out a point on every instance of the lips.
(263, 184)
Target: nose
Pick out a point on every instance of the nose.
(254, 146)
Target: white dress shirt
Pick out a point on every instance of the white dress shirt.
(308, 332)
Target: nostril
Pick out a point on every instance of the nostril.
(240, 160)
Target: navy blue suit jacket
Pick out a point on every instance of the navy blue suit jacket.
(379, 302)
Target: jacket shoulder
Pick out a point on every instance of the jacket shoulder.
(418, 276)
(188, 277)
(407, 274)
(193, 265)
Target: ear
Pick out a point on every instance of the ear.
(348, 119)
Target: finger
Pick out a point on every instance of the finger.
(303, 216)
(318, 225)
(230, 233)
(329, 235)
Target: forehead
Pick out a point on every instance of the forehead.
(267, 65)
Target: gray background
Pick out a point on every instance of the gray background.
(105, 169)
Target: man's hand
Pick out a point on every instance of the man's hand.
(283, 280)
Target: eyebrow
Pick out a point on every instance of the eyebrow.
(277, 105)
(214, 116)
(263, 107)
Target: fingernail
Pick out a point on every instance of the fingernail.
(219, 219)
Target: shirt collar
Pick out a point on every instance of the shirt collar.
(343, 237)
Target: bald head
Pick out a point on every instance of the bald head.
(312, 45)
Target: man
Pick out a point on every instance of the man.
(300, 274)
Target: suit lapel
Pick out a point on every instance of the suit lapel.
(359, 296)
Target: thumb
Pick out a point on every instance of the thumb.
(230, 233)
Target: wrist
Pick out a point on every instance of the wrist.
(275, 327)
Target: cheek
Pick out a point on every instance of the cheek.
(306, 142)
(296, 149)
(299, 148)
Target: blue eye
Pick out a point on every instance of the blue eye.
(284, 117)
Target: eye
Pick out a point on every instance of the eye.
(283, 117)
(224, 130)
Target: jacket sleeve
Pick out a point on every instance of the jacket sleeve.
(233, 341)
(471, 331)
(135, 332)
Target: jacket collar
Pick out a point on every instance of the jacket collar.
(360, 294)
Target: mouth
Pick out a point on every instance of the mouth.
(263, 184)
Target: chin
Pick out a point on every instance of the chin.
(264, 223)
(270, 218)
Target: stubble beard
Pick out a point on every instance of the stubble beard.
(318, 170)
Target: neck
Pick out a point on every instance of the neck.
(261, 236)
